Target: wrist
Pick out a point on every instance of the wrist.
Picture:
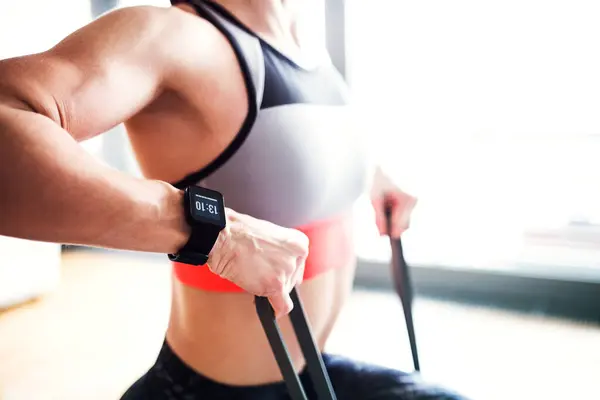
(202, 217)
(172, 220)
(217, 261)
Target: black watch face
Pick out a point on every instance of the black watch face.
(206, 206)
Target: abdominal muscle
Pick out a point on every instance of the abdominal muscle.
(219, 334)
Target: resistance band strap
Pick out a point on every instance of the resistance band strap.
(403, 286)
(314, 361)
(400, 273)
(267, 319)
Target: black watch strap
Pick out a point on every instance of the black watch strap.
(189, 257)
(198, 246)
(205, 215)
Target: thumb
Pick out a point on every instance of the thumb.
(282, 304)
(380, 219)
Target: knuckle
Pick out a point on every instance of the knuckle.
(300, 266)
(292, 265)
(274, 283)
(302, 243)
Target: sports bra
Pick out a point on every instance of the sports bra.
(297, 161)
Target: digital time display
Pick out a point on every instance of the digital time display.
(206, 207)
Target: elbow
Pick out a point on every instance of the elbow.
(10, 101)
(20, 92)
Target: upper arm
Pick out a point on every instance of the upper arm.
(105, 72)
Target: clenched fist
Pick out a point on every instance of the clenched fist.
(260, 257)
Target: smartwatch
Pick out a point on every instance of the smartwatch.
(205, 213)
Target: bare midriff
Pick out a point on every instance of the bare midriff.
(214, 327)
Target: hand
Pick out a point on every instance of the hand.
(260, 257)
(386, 195)
(400, 205)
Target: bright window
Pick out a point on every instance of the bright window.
(489, 111)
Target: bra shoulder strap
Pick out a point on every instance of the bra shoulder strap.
(246, 46)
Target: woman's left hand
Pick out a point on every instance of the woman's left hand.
(386, 195)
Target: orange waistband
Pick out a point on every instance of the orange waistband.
(331, 246)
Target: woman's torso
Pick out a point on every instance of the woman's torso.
(280, 146)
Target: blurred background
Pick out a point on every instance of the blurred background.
(488, 111)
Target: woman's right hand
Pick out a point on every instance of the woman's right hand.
(260, 257)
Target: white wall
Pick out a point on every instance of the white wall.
(27, 270)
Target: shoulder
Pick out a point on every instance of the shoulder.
(141, 30)
(172, 41)
(160, 27)
(187, 54)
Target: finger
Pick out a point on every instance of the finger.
(301, 242)
(401, 213)
(282, 304)
(380, 220)
(298, 275)
(399, 222)
(391, 205)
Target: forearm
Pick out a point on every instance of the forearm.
(52, 190)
